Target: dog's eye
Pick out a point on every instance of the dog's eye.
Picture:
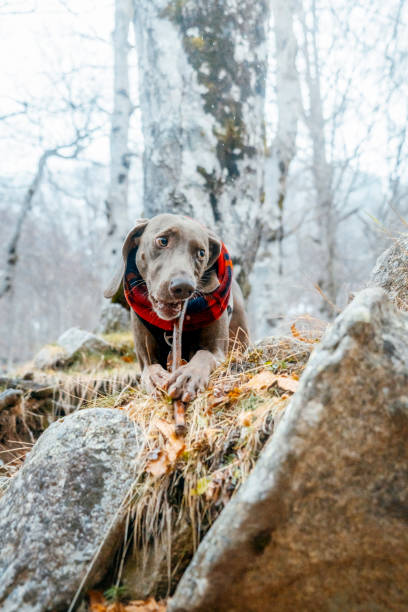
(162, 241)
(201, 253)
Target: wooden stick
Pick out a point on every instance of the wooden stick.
(179, 417)
(178, 405)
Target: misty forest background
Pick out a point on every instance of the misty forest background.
(281, 124)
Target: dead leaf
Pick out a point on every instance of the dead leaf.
(148, 605)
(296, 334)
(117, 606)
(128, 358)
(97, 602)
(245, 418)
(287, 383)
(167, 429)
(159, 465)
(262, 380)
(174, 446)
(160, 461)
(235, 393)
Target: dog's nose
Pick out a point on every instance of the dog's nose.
(181, 288)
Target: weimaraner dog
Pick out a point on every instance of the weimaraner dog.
(167, 261)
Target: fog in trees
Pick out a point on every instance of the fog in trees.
(282, 125)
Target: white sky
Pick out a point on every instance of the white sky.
(42, 39)
(36, 47)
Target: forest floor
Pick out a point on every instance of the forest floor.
(189, 479)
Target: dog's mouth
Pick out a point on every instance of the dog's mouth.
(166, 310)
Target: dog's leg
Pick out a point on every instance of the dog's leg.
(154, 376)
(193, 377)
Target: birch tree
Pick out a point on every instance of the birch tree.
(116, 204)
(321, 169)
(202, 73)
(283, 148)
(67, 151)
(279, 155)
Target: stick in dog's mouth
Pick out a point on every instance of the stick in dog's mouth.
(167, 310)
(179, 414)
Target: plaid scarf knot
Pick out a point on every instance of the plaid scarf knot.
(202, 310)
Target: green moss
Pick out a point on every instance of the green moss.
(196, 42)
(211, 52)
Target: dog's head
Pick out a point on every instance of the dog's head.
(174, 257)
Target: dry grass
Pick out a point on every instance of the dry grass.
(92, 380)
(183, 484)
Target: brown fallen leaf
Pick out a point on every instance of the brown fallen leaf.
(245, 418)
(296, 334)
(97, 602)
(147, 605)
(159, 464)
(262, 380)
(287, 383)
(235, 393)
(128, 358)
(116, 606)
(174, 445)
(161, 460)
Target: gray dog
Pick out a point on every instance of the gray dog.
(167, 260)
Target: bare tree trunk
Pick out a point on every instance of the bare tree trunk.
(116, 205)
(289, 102)
(269, 265)
(202, 86)
(73, 149)
(12, 249)
(322, 170)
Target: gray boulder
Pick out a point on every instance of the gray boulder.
(75, 339)
(9, 397)
(321, 522)
(391, 273)
(68, 346)
(50, 356)
(61, 516)
(114, 318)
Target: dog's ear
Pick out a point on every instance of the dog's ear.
(209, 280)
(133, 237)
(131, 240)
(214, 244)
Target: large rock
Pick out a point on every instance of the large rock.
(114, 318)
(69, 346)
(391, 273)
(61, 516)
(76, 339)
(10, 397)
(322, 521)
(50, 356)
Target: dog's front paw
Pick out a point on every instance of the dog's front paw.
(186, 382)
(154, 379)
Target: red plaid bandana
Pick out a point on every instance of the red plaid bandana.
(202, 310)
